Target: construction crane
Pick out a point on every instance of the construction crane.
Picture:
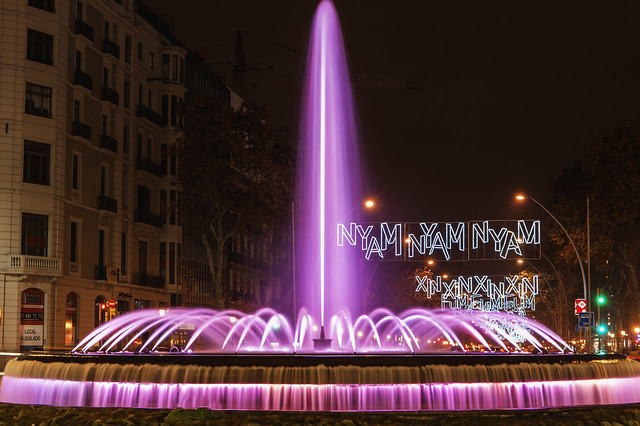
(241, 66)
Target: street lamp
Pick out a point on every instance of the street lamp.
(521, 197)
(575, 249)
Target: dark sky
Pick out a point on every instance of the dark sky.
(512, 90)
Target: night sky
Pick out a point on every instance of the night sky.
(512, 90)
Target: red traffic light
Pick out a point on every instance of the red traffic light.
(103, 306)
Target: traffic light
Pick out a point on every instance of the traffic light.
(602, 300)
(602, 328)
(103, 306)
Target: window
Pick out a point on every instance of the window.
(106, 30)
(79, 11)
(172, 207)
(163, 205)
(47, 5)
(163, 158)
(125, 140)
(174, 101)
(127, 94)
(73, 243)
(75, 171)
(174, 67)
(127, 49)
(38, 100)
(123, 255)
(172, 263)
(104, 124)
(142, 257)
(36, 163)
(165, 110)
(163, 261)
(165, 67)
(76, 111)
(70, 320)
(151, 60)
(103, 180)
(35, 229)
(78, 60)
(140, 50)
(39, 47)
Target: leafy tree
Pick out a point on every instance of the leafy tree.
(234, 181)
(609, 175)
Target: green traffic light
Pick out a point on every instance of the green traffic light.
(601, 300)
(602, 329)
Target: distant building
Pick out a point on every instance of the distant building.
(90, 224)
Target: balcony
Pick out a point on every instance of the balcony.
(81, 129)
(148, 280)
(34, 265)
(111, 48)
(82, 28)
(148, 166)
(107, 203)
(143, 216)
(107, 142)
(82, 79)
(110, 95)
(146, 112)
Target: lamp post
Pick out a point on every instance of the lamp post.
(575, 249)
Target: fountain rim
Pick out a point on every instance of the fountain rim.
(327, 359)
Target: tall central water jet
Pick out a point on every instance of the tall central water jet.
(329, 189)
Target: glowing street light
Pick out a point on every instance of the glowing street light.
(369, 203)
(521, 197)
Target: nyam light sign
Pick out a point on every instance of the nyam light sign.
(474, 240)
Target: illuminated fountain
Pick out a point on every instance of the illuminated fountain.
(418, 360)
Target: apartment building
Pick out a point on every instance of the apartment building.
(89, 219)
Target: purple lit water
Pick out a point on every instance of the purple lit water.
(328, 185)
(419, 359)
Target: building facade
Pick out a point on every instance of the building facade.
(90, 222)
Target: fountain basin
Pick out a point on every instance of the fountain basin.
(322, 382)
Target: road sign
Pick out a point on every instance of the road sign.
(580, 306)
(585, 319)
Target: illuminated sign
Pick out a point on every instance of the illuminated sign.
(475, 240)
(484, 293)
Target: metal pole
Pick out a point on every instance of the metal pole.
(589, 332)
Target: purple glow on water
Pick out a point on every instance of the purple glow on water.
(365, 397)
(329, 188)
(417, 330)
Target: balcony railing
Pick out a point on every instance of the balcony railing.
(107, 203)
(146, 112)
(148, 280)
(81, 129)
(35, 265)
(108, 142)
(110, 95)
(148, 166)
(82, 79)
(144, 216)
(111, 48)
(84, 29)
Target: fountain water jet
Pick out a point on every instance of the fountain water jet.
(379, 361)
